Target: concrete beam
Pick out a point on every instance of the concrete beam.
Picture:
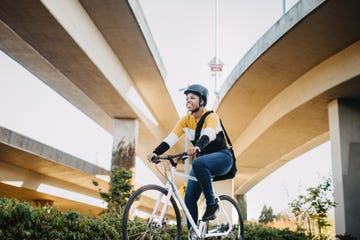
(34, 156)
(78, 24)
(304, 100)
(274, 90)
(53, 188)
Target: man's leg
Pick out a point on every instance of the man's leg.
(192, 195)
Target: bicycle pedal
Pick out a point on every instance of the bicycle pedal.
(222, 227)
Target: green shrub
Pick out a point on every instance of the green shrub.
(18, 220)
(120, 190)
(260, 232)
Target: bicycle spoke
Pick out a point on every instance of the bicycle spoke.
(141, 219)
(228, 221)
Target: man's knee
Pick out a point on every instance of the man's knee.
(197, 164)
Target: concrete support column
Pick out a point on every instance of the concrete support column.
(225, 187)
(241, 199)
(124, 144)
(344, 124)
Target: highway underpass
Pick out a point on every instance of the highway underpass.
(296, 88)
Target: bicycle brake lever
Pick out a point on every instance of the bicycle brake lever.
(184, 157)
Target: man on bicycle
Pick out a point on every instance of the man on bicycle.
(212, 156)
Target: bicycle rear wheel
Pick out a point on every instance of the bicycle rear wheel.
(141, 221)
(220, 223)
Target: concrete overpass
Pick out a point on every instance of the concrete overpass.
(37, 173)
(276, 99)
(282, 99)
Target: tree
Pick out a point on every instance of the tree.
(311, 210)
(266, 215)
(120, 190)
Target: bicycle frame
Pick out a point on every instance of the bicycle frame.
(201, 230)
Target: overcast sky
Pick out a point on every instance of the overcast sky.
(184, 32)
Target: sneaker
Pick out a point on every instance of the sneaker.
(210, 213)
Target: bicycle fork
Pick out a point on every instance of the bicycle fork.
(158, 221)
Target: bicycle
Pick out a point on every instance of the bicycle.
(152, 211)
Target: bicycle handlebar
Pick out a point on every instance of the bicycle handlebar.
(180, 156)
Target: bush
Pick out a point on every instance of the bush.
(18, 220)
(260, 232)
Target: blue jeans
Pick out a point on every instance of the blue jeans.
(203, 168)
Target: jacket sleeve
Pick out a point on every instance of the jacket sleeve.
(171, 139)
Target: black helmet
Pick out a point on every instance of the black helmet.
(199, 90)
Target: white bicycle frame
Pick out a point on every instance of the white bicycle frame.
(200, 230)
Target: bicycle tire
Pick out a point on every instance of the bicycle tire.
(220, 224)
(137, 226)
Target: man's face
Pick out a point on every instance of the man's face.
(192, 101)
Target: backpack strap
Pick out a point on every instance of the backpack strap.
(227, 137)
(199, 126)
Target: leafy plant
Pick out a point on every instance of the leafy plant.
(18, 220)
(120, 190)
(311, 210)
(260, 232)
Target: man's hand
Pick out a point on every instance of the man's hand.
(193, 151)
(150, 156)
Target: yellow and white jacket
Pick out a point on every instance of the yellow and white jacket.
(211, 135)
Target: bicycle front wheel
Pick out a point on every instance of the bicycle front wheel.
(234, 219)
(142, 215)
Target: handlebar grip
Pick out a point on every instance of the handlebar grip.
(155, 159)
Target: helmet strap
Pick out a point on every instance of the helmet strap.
(195, 110)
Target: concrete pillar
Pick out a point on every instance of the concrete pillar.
(241, 199)
(344, 124)
(124, 144)
(225, 187)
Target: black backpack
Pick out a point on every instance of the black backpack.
(232, 172)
